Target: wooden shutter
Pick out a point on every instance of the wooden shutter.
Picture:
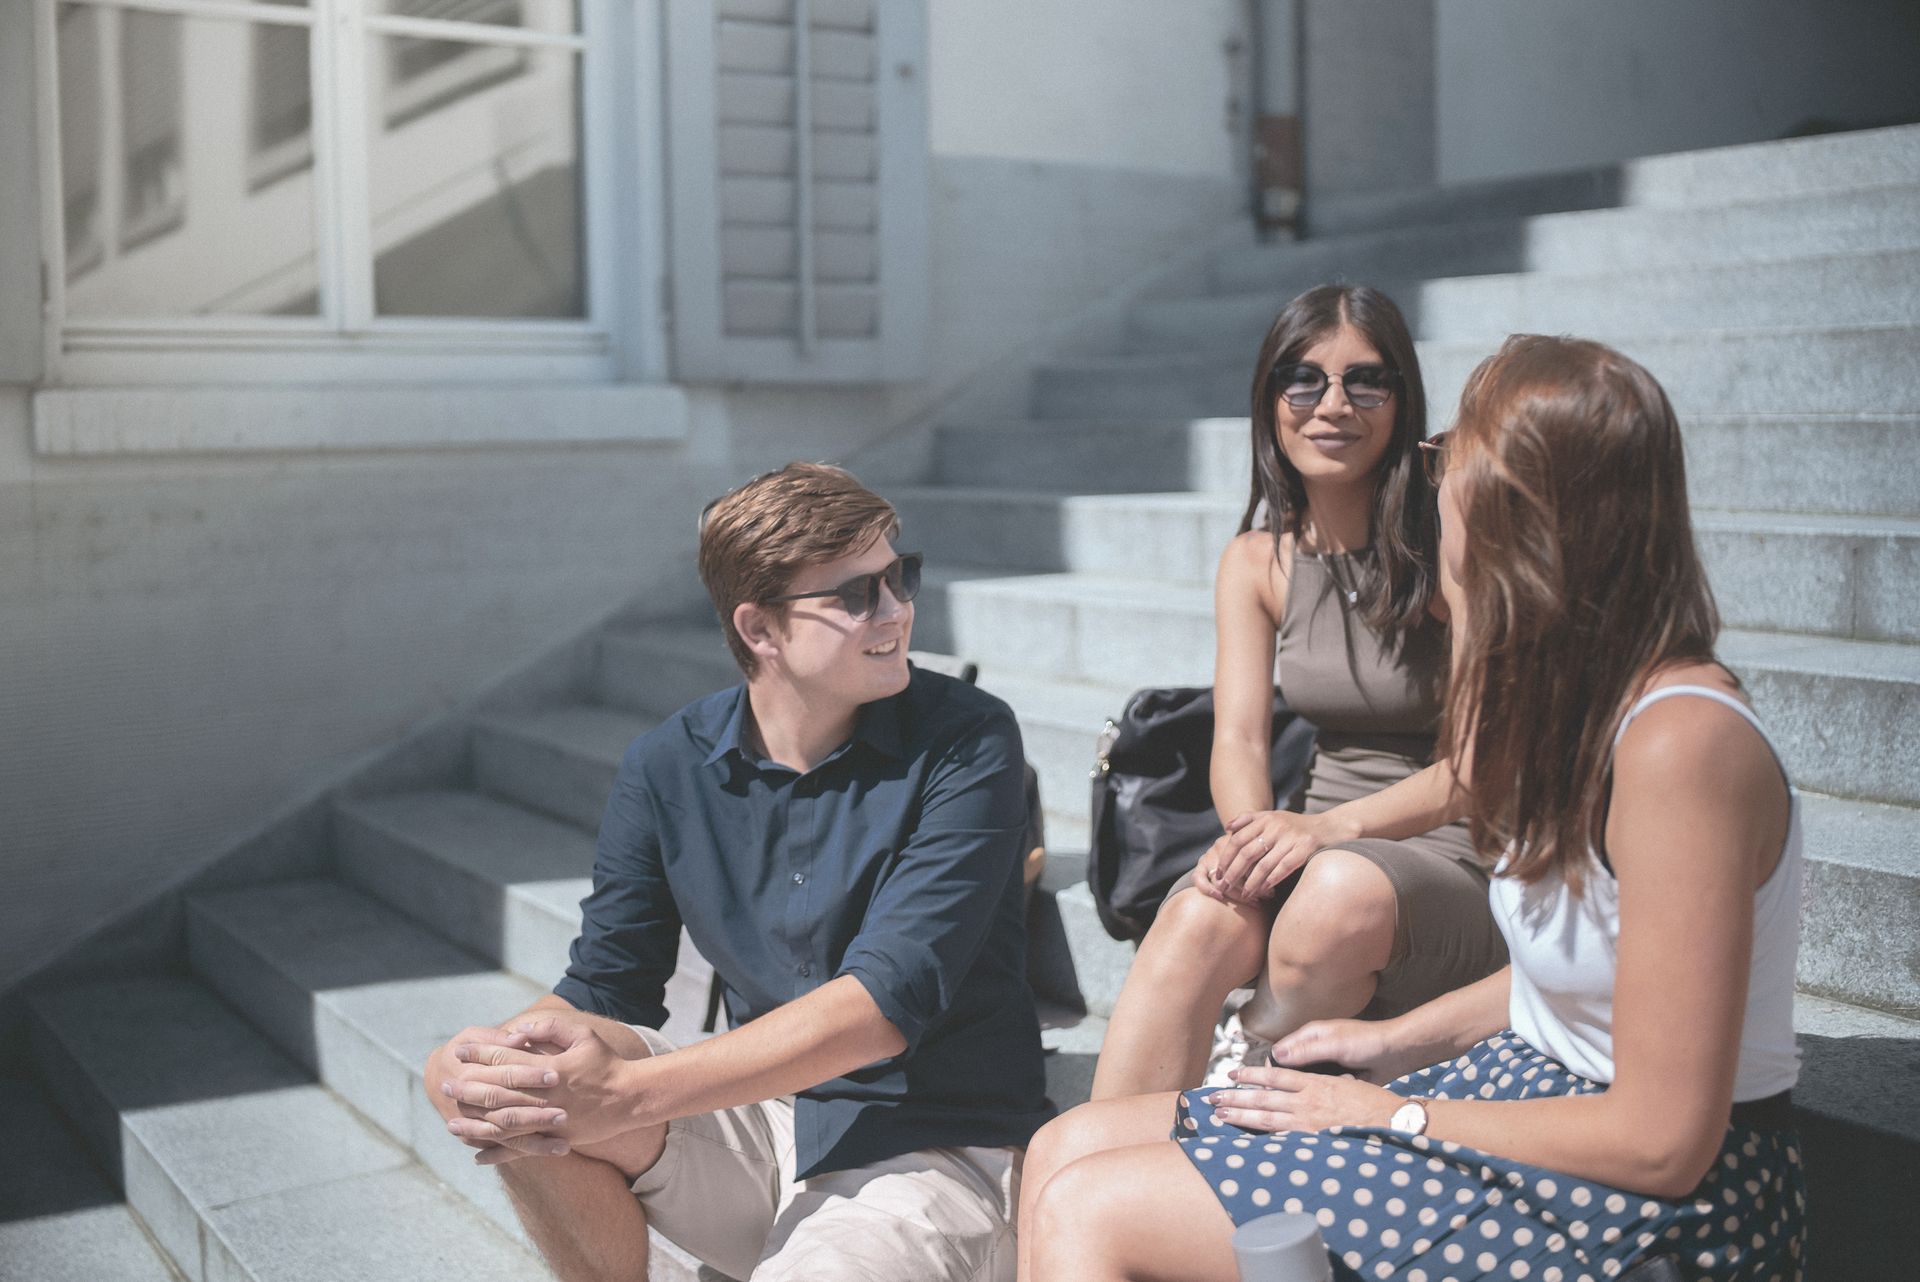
(797, 148)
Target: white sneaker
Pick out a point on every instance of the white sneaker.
(1233, 1047)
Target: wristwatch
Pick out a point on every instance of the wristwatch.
(1410, 1118)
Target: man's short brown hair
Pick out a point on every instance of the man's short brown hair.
(755, 539)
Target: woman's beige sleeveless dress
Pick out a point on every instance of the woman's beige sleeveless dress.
(1378, 713)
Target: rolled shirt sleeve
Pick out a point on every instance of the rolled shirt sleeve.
(937, 901)
(630, 926)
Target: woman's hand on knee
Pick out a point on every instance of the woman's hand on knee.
(1261, 849)
(1280, 1099)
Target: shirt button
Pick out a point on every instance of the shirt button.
(799, 879)
(805, 970)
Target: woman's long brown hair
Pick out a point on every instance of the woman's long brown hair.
(1581, 579)
(1396, 587)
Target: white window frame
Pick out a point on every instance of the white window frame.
(345, 340)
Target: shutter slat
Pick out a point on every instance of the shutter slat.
(765, 48)
(756, 309)
(847, 15)
(765, 309)
(757, 98)
(843, 155)
(756, 201)
(756, 46)
(842, 55)
(769, 253)
(757, 253)
(756, 149)
(847, 312)
(768, 152)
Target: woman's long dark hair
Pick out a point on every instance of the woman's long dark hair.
(1581, 578)
(1396, 585)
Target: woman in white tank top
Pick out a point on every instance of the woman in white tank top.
(1619, 1092)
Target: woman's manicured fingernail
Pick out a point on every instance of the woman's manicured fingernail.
(559, 1119)
(549, 1077)
(446, 1089)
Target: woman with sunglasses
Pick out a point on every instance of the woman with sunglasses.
(1330, 590)
(1620, 1093)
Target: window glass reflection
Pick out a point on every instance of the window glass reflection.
(160, 127)
(475, 180)
(560, 16)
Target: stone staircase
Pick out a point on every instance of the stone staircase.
(252, 1093)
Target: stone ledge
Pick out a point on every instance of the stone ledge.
(321, 419)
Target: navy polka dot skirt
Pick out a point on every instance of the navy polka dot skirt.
(1403, 1206)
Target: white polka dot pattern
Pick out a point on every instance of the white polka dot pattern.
(1393, 1206)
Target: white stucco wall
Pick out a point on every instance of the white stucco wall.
(1124, 84)
(1527, 86)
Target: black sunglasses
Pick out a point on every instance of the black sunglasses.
(860, 596)
(1433, 454)
(1367, 386)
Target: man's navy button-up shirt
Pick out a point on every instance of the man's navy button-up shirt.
(896, 860)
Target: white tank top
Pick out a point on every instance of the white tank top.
(1563, 950)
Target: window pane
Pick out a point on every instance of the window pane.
(475, 178)
(161, 140)
(558, 16)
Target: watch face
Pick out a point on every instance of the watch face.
(1410, 1118)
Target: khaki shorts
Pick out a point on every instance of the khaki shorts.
(723, 1190)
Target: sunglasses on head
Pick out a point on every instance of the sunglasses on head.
(860, 596)
(1367, 386)
(1433, 453)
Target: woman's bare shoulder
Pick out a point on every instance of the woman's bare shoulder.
(1697, 739)
(1251, 564)
(1251, 554)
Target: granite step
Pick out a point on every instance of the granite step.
(1173, 536)
(61, 1218)
(1853, 577)
(1844, 711)
(1824, 289)
(239, 1165)
(1848, 465)
(359, 995)
(501, 881)
(1859, 160)
(1095, 455)
(1867, 370)
(1858, 221)
(559, 760)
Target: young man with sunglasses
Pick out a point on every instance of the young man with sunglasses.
(841, 837)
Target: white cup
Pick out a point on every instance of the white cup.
(1282, 1248)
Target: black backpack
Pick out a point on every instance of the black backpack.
(1153, 811)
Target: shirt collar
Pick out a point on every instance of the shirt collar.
(733, 732)
(878, 725)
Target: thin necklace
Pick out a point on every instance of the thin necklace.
(1325, 558)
